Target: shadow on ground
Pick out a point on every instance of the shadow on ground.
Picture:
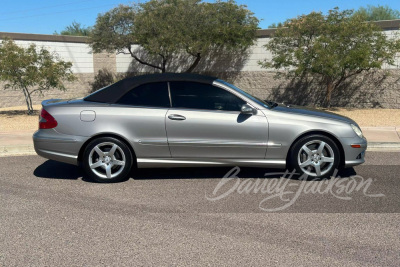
(57, 170)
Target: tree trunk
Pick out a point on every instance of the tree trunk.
(28, 101)
(164, 64)
(329, 88)
(195, 63)
(144, 62)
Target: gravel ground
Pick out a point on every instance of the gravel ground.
(15, 118)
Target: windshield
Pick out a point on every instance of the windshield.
(266, 104)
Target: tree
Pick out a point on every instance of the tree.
(32, 70)
(275, 25)
(103, 78)
(75, 29)
(171, 29)
(375, 13)
(331, 48)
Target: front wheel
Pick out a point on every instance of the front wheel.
(315, 156)
(107, 160)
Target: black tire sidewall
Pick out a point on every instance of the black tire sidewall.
(124, 175)
(293, 164)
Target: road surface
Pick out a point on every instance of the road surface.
(52, 216)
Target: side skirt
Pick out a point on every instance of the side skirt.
(185, 162)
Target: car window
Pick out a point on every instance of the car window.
(147, 95)
(203, 96)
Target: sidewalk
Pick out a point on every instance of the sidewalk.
(379, 139)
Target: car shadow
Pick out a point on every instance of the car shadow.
(51, 169)
(58, 170)
(221, 172)
(204, 173)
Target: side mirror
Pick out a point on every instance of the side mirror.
(247, 109)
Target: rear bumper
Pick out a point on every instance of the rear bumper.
(50, 144)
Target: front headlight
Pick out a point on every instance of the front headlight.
(357, 130)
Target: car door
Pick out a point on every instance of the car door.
(139, 116)
(205, 122)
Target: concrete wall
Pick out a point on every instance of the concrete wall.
(379, 89)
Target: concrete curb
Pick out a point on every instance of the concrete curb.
(383, 146)
(387, 128)
(18, 150)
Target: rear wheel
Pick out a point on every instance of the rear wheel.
(315, 156)
(107, 160)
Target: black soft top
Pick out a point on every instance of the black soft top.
(112, 93)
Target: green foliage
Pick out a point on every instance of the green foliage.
(113, 30)
(375, 13)
(32, 69)
(170, 29)
(103, 78)
(75, 29)
(332, 47)
(275, 25)
(370, 13)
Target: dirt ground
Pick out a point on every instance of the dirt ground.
(371, 117)
(15, 118)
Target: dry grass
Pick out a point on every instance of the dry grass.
(16, 119)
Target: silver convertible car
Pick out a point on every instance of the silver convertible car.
(188, 120)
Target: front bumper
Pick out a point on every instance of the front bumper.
(50, 144)
(354, 155)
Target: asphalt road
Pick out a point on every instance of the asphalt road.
(51, 216)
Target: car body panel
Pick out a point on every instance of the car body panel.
(285, 128)
(143, 128)
(48, 143)
(311, 112)
(207, 162)
(217, 134)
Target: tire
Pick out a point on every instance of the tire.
(107, 160)
(314, 157)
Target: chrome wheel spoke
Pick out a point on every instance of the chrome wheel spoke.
(112, 151)
(321, 147)
(327, 159)
(108, 171)
(305, 163)
(318, 169)
(307, 150)
(98, 151)
(97, 164)
(118, 162)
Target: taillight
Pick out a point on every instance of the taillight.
(50, 121)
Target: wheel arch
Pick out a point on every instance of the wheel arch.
(116, 136)
(327, 134)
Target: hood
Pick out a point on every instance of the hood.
(307, 111)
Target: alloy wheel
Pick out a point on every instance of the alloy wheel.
(107, 160)
(316, 158)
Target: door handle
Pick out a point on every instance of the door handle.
(176, 117)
